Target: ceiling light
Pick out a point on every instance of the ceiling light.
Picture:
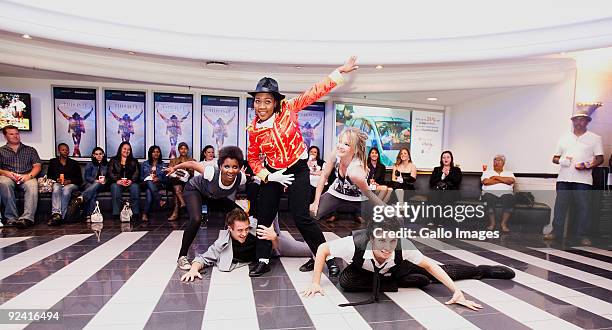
(432, 99)
(298, 67)
(131, 53)
(216, 65)
(378, 67)
(26, 36)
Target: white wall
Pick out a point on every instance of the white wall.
(602, 118)
(524, 124)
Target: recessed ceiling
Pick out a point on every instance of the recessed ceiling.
(319, 32)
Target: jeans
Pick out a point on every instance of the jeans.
(7, 192)
(117, 190)
(60, 197)
(153, 196)
(89, 195)
(579, 194)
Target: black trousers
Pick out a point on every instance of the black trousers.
(194, 201)
(406, 275)
(299, 202)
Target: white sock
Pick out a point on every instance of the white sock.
(264, 260)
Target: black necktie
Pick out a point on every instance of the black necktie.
(375, 288)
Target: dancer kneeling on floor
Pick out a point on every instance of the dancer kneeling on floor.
(384, 264)
(235, 246)
(216, 184)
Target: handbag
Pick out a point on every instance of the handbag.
(126, 213)
(45, 185)
(96, 216)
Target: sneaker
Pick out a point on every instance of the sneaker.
(549, 237)
(586, 242)
(183, 263)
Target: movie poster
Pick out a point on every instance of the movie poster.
(125, 121)
(75, 119)
(427, 127)
(173, 122)
(388, 129)
(16, 110)
(219, 121)
(311, 120)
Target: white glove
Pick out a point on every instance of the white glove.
(279, 176)
(564, 162)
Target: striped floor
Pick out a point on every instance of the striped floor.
(129, 280)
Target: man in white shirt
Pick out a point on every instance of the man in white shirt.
(498, 187)
(577, 153)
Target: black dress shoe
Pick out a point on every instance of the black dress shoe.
(308, 266)
(259, 269)
(500, 272)
(55, 220)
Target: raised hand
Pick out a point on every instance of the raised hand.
(349, 65)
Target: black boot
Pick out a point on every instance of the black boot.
(499, 272)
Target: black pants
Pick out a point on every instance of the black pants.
(406, 275)
(299, 198)
(194, 201)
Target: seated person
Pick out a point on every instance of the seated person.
(376, 175)
(19, 166)
(235, 246)
(207, 157)
(383, 264)
(67, 175)
(403, 174)
(445, 181)
(498, 186)
(177, 184)
(153, 177)
(123, 174)
(95, 180)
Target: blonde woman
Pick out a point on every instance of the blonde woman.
(403, 174)
(350, 188)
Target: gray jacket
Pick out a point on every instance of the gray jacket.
(220, 253)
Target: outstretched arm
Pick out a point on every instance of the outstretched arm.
(327, 169)
(439, 273)
(138, 116)
(114, 114)
(88, 114)
(358, 176)
(315, 287)
(318, 123)
(162, 116)
(322, 88)
(188, 165)
(185, 116)
(231, 119)
(63, 113)
(208, 119)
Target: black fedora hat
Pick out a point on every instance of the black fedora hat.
(267, 85)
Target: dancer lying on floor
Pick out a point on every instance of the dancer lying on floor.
(383, 264)
(235, 246)
(216, 188)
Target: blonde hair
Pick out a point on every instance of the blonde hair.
(398, 160)
(357, 140)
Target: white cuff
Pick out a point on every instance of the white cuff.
(337, 77)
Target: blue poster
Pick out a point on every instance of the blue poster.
(173, 122)
(75, 119)
(219, 121)
(125, 121)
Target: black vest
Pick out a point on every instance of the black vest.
(361, 240)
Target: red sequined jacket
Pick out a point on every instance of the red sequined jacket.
(282, 144)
